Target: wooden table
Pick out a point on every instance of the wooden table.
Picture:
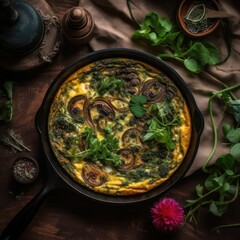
(66, 215)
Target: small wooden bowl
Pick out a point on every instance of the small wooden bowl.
(182, 12)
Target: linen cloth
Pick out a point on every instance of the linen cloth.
(114, 28)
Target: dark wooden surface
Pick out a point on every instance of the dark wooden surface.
(66, 215)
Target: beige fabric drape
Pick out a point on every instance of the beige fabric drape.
(114, 28)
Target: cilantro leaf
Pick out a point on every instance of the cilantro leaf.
(136, 106)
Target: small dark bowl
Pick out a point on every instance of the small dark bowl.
(27, 175)
(182, 12)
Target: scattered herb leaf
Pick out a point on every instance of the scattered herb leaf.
(136, 106)
(159, 31)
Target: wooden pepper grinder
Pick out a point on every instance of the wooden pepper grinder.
(78, 25)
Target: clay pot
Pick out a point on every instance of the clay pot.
(182, 12)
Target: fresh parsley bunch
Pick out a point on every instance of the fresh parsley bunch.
(161, 32)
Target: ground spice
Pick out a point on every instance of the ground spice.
(25, 170)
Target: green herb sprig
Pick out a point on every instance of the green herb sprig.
(109, 83)
(161, 32)
(221, 187)
(160, 125)
(104, 150)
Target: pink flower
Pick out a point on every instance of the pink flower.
(167, 215)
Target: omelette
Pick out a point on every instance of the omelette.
(119, 126)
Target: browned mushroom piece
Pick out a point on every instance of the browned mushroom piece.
(128, 159)
(76, 106)
(93, 175)
(99, 113)
(154, 91)
(131, 137)
(132, 82)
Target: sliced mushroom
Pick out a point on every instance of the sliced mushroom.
(131, 137)
(93, 175)
(128, 159)
(154, 90)
(99, 113)
(76, 106)
(132, 82)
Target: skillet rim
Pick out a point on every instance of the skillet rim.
(41, 122)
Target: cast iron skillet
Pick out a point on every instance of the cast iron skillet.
(58, 178)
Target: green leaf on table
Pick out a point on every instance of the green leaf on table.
(235, 151)
(192, 65)
(199, 190)
(225, 162)
(226, 128)
(206, 53)
(210, 183)
(234, 135)
(217, 209)
(154, 28)
(234, 108)
(136, 106)
(179, 42)
(219, 180)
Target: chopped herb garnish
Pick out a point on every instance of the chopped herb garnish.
(163, 119)
(106, 84)
(104, 150)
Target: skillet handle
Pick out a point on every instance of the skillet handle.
(24, 217)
